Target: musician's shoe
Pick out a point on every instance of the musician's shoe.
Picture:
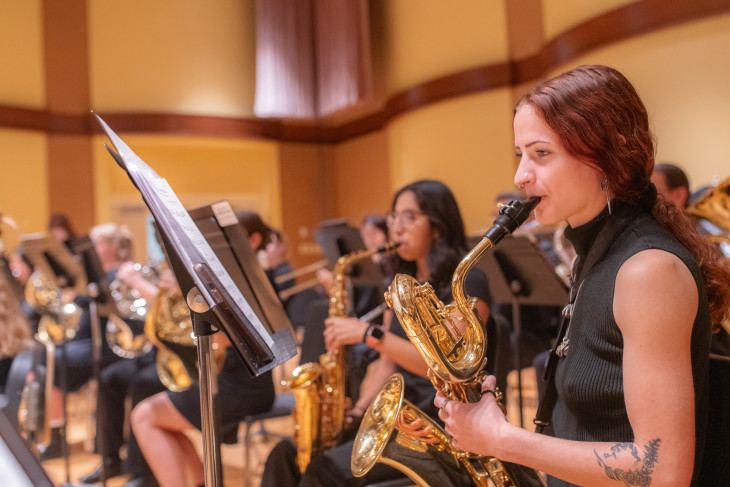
(111, 468)
(146, 481)
(54, 448)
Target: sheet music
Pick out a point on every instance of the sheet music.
(184, 234)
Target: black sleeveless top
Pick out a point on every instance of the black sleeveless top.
(591, 404)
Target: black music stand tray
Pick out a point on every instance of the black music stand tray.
(519, 274)
(215, 302)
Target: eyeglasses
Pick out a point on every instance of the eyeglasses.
(406, 217)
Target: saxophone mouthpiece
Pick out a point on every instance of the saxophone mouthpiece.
(388, 247)
(511, 215)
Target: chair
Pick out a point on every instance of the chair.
(283, 405)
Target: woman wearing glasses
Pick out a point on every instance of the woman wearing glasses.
(426, 222)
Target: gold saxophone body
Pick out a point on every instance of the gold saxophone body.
(319, 388)
(456, 362)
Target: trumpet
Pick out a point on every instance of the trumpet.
(455, 359)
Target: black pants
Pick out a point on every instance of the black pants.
(134, 378)
(331, 469)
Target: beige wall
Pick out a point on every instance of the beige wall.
(561, 15)
(427, 39)
(682, 75)
(24, 179)
(172, 56)
(21, 54)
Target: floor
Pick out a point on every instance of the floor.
(81, 439)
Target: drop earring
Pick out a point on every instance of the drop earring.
(604, 187)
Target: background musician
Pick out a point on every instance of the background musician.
(631, 375)
(672, 183)
(426, 222)
(133, 380)
(75, 359)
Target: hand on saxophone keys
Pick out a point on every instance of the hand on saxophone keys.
(341, 331)
(416, 428)
(475, 427)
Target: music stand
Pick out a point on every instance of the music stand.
(214, 300)
(520, 274)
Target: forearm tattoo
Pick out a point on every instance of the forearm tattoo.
(641, 475)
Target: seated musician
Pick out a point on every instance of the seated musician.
(426, 222)
(75, 360)
(160, 421)
(132, 379)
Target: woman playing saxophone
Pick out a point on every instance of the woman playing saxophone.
(631, 365)
(426, 222)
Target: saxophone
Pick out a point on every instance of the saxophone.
(319, 388)
(456, 362)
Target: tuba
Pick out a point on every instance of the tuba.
(455, 359)
(319, 388)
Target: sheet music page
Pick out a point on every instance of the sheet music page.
(190, 244)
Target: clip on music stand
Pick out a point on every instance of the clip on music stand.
(215, 302)
(519, 274)
(57, 261)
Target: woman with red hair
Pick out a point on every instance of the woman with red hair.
(630, 371)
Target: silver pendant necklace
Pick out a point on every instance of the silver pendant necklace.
(562, 349)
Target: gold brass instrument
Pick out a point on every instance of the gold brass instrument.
(378, 440)
(456, 358)
(170, 328)
(302, 286)
(319, 388)
(714, 206)
(132, 306)
(59, 315)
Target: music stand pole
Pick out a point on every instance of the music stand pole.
(97, 363)
(63, 379)
(208, 383)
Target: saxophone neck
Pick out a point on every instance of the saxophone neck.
(338, 292)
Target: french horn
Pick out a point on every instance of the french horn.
(132, 306)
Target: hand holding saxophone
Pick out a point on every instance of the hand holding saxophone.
(339, 331)
(475, 427)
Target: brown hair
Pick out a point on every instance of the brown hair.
(601, 120)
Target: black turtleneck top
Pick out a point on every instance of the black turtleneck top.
(589, 380)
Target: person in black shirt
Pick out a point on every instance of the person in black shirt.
(426, 222)
(631, 368)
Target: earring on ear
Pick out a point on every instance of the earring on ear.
(604, 187)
